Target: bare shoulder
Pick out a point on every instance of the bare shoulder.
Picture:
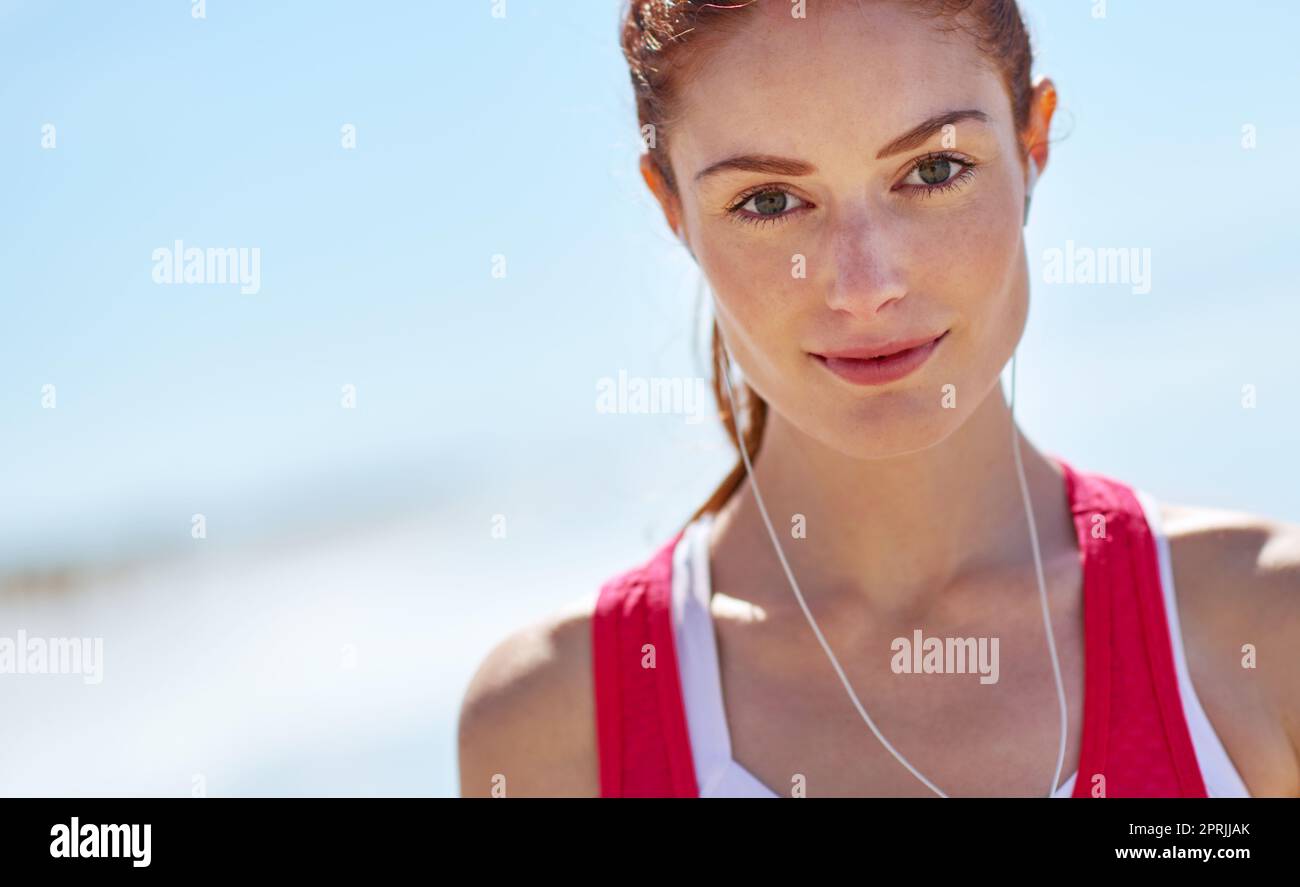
(1237, 581)
(527, 720)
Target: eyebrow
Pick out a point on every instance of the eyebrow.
(785, 166)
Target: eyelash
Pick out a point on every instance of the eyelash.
(960, 180)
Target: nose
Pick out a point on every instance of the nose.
(868, 270)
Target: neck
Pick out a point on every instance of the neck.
(900, 529)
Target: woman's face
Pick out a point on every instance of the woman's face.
(855, 234)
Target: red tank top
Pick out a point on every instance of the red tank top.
(1134, 732)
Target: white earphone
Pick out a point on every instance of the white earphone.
(1029, 186)
(794, 585)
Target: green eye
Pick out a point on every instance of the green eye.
(935, 171)
(770, 203)
(767, 206)
(936, 174)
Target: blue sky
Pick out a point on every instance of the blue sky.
(479, 135)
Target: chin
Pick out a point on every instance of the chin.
(886, 425)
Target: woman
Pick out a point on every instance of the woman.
(862, 607)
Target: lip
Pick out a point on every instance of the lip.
(881, 364)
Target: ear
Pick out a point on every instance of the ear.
(1042, 106)
(667, 200)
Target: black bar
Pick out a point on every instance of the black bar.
(331, 836)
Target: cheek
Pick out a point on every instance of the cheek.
(968, 255)
(981, 275)
(752, 282)
(995, 289)
(758, 308)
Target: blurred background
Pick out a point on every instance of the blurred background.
(298, 518)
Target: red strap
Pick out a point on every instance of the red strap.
(642, 736)
(1134, 731)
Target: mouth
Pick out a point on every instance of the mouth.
(877, 366)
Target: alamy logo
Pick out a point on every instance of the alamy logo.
(677, 395)
(922, 655)
(1104, 265)
(182, 264)
(90, 841)
(32, 655)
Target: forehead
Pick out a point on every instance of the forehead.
(855, 73)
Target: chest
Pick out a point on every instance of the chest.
(966, 695)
